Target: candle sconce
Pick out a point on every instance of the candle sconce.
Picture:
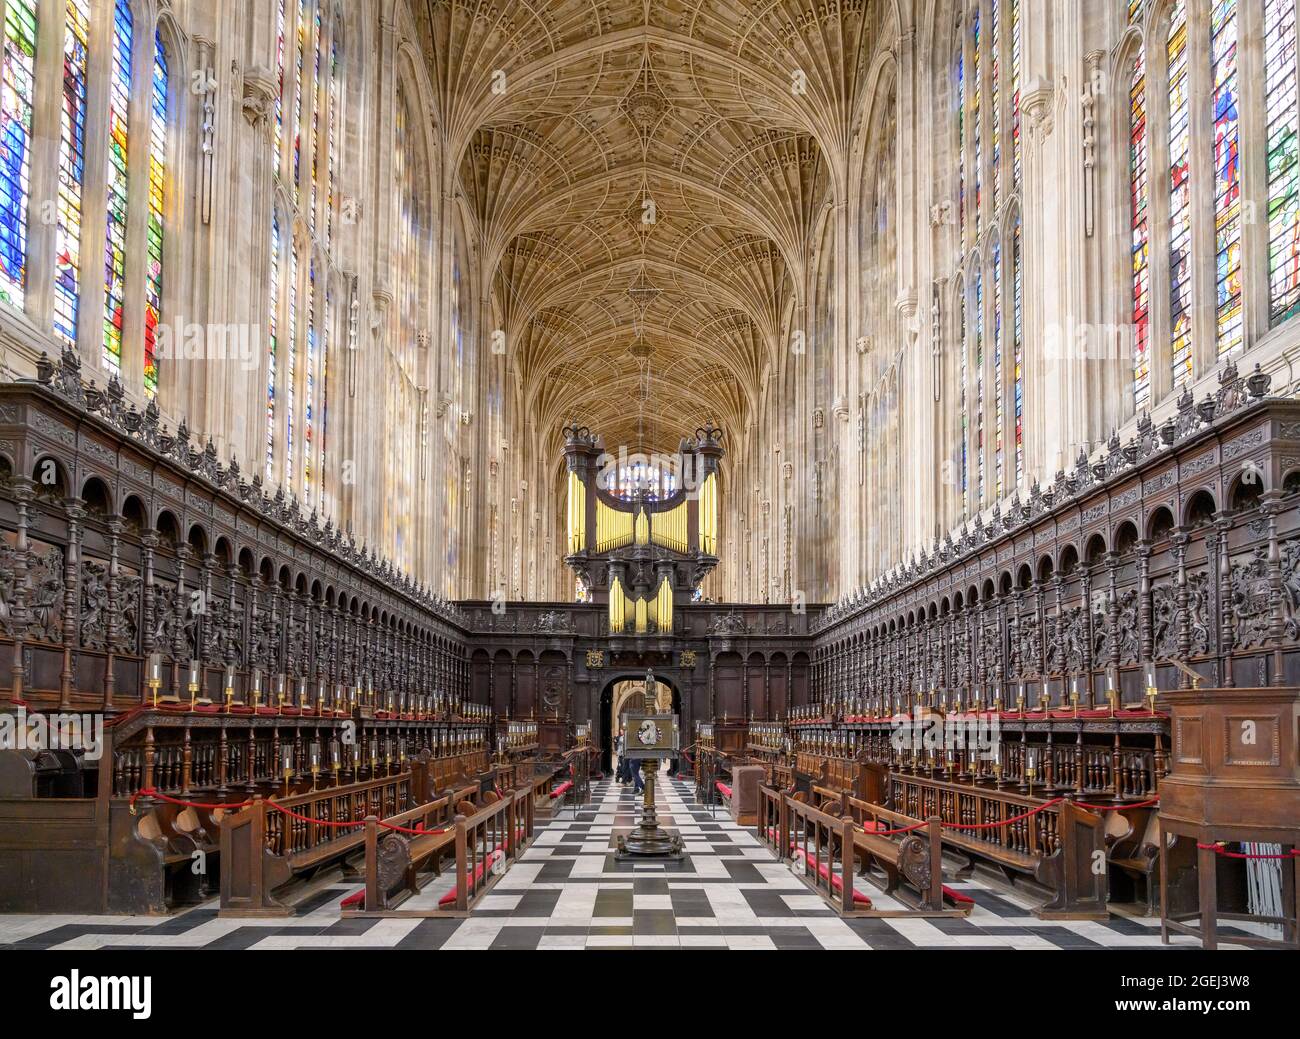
(228, 684)
(195, 684)
(153, 681)
(286, 765)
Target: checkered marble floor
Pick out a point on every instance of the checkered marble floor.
(568, 892)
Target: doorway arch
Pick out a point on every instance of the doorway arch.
(608, 707)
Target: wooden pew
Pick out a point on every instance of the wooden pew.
(1133, 848)
(394, 859)
(263, 849)
(1056, 846)
(486, 840)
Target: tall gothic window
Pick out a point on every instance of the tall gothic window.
(1018, 342)
(999, 415)
(1139, 190)
(309, 118)
(988, 78)
(1180, 197)
(153, 285)
(72, 169)
(273, 343)
(119, 98)
(1283, 120)
(17, 98)
(1227, 176)
(280, 16)
(1208, 167)
(410, 173)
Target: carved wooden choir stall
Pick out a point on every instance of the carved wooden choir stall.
(271, 693)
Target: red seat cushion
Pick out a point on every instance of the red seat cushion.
(723, 789)
(477, 879)
(957, 896)
(353, 900)
(859, 896)
(561, 790)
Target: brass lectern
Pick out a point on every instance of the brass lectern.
(650, 739)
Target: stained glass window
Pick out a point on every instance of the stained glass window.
(1227, 175)
(1018, 347)
(309, 389)
(976, 121)
(272, 343)
(279, 97)
(960, 93)
(297, 100)
(335, 102)
(17, 94)
(998, 407)
(119, 106)
(1140, 214)
(72, 170)
(153, 282)
(317, 108)
(1015, 92)
(978, 363)
(1283, 116)
(326, 338)
(995, 91)
(291, 365)
(964, 378)
(1180, 219)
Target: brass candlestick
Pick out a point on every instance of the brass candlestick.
(193, 684)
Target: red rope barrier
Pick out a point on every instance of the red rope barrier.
(332, 824)
(1219, 849)
(1018, 818)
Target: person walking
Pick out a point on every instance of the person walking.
(622, 759)
(634, 767)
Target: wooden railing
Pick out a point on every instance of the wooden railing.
(1057, 844)
(825, 846)
(484, 842)
(484, 847)
(262, 848)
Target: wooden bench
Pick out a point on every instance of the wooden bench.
(823, 836)
(1133, 848)
(486, 840)
(395, 859)
(263, 849)
(1056, 846)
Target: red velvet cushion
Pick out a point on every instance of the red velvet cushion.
(477, 879)
(723, 789)
(957, 896)
(354, 900)
(859, 896)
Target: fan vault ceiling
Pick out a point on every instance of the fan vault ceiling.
(646, 190)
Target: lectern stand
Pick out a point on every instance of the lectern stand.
(647, 839)
(651, 738)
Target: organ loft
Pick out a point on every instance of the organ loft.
(675, 474)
